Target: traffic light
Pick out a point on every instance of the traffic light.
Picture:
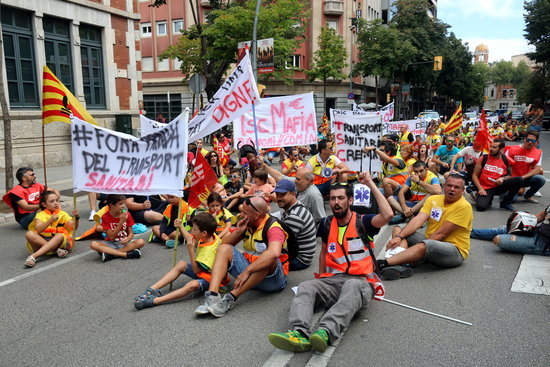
(438, 62)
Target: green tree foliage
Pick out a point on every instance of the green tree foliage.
(537, 32)
(382, 51)
(329, 59)
(210, 48)
(531, 88)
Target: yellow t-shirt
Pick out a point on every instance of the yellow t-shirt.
(459, 213)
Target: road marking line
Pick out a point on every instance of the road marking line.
(47, 267)
(321, 359)
(533, 275)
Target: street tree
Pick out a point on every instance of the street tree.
(211, 47)
(328, 60)
(537, 29)
(382, 51)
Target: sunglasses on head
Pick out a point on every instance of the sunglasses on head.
(249, 202)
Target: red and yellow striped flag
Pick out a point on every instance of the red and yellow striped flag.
(58, 103)
(455, 122)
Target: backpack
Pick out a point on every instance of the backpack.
(291, 244)
(486, 157)
(365, 238)
(521, 224)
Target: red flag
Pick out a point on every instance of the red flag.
(482, 140)
(220, 149)
(202, 180)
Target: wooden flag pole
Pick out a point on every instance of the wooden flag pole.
(175, 255)
(44, 156)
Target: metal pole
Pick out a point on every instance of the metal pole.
(254, 40)
(426, 312)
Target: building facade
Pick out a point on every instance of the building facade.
(92, 46)
(165, 93)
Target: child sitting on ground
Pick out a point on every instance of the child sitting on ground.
(51, 230)
(166, 231)
(260, 187)
(117, 224)
(202, 245)
(223, 217)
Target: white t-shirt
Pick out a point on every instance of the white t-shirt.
(469, 155)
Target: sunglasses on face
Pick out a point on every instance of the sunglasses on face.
(249, 202)
(531, 140)
(234, 176)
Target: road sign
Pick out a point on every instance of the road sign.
(197, 83)
(351, 96)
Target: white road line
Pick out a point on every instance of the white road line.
(47, 267)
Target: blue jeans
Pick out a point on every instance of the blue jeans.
(534, 183)
(512, 243)
(203, 283)
(274, 282)
(296, 264)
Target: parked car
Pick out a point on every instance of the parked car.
(429, 115)
(470, 116)
(517, 115)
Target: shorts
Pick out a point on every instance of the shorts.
(117, 245)
(139, 215)
(203, 283)
(26, 219)
(438, 252)
(274, 282)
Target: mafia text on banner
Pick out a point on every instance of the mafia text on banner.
(352, 134)
(234, 98)
(110, 162)
(281, 122)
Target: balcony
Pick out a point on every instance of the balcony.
(334, 7)
(206, 4)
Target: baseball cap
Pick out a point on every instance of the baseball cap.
(285, 186)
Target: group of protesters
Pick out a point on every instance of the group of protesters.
(422, 182)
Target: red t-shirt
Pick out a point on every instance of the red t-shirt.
(523, 160)
(110, 222)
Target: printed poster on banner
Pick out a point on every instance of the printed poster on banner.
(281, 122)
(352, 134)
(111, 162)
(149, 126)
(231, 101)
(416, 127)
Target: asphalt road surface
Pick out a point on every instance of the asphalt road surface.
(79, 311)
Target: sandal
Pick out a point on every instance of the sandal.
(150, 292)
(62, 253)
(144, 302)
(30, 262)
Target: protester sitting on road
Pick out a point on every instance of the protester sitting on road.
(251, 163)
(526, 162)
(496, 132)
(234, 189)
(202, 244)
(447, 239)
(117, 224)
(441, 161)
(433, 139)
(300, 222)
(536, 242)
(346, 281)
(166, 230)
(213, 160)
(146, 209)
(394, 167)
(260, 187)
(259, 267)
(469, 155)
(290, 166)
(51, 230)
(24, 198)
(493, 176)
(308, 193)
(420, 185)
(223, 217)
(423, 154)
(326, 167)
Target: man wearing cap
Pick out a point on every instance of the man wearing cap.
(299, 220)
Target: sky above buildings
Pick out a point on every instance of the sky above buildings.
(497, 23)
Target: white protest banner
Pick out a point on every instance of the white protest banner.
(110, 162)
(361, 195)
(234, 98)
(352, 134)
(387, 113)
(149, 126)
(281, 122)
(416, 127)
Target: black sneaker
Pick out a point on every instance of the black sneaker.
(106, 257)
(134, 254)
(396, 272)
(508, 207)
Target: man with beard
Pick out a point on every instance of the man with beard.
(493, 176)
(346, 281)
(299, 220)
(447, 239)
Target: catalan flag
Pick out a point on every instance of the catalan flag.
(455, 122)
(58, 103)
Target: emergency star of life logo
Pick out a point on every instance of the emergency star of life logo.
(331, 247)
(362, 194)
(435, 214)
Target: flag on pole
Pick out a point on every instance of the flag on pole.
(202, 180)
(58, 103)
(482, 140)
(455, 122)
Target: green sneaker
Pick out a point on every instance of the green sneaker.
(292, 341)
(319, 340)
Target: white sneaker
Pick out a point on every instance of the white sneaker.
(538, 194)
(91, 217)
